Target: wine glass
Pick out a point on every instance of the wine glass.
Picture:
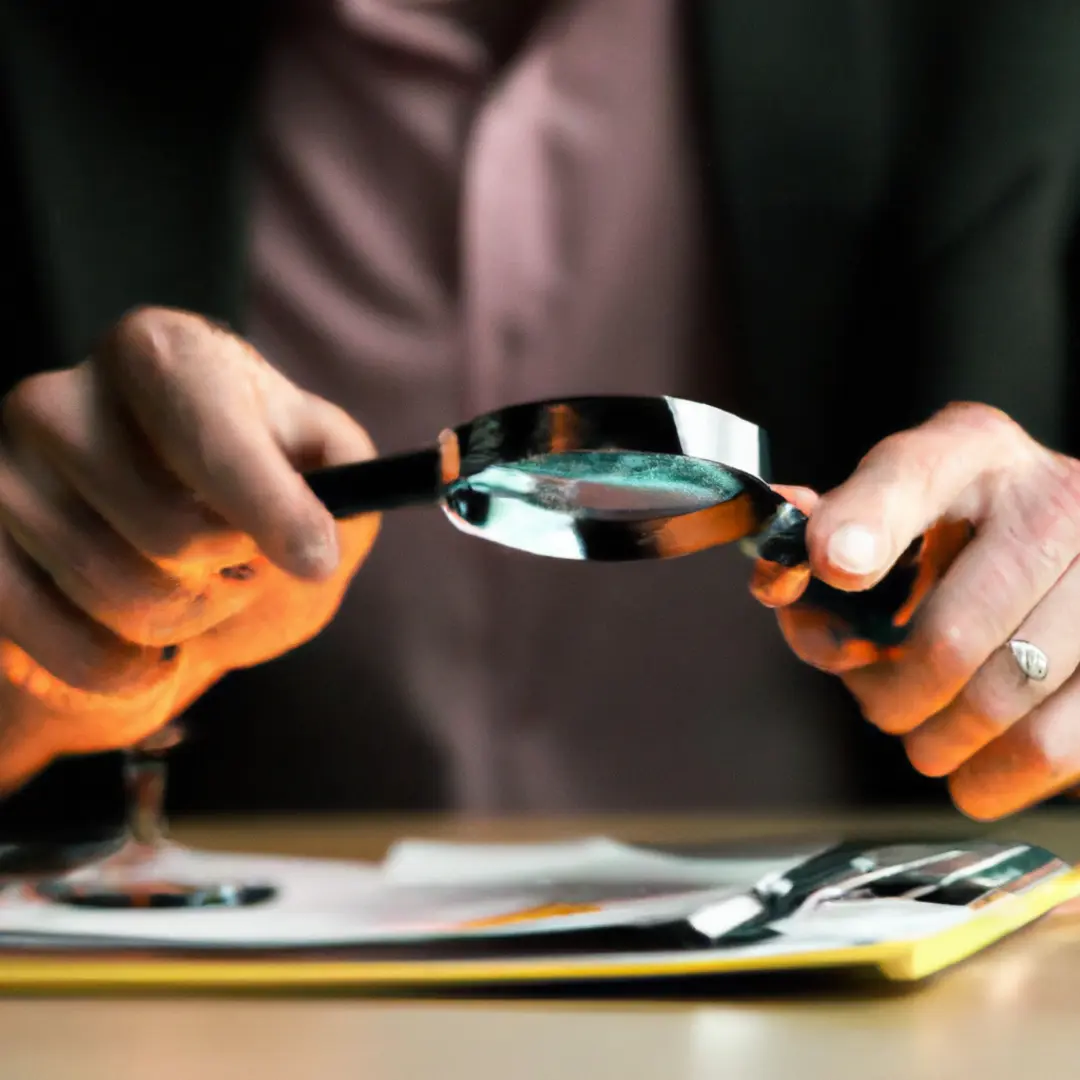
(148, 870)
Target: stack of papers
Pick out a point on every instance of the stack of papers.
(582, 912)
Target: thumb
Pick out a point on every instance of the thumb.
(318, 435)
(939, 471)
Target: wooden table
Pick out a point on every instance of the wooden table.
(1011, 1013)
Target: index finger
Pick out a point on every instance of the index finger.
(209, 406)
(774, 585)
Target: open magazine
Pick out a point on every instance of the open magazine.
(592, 910)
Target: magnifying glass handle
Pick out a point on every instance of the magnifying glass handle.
(882, 614)
(386, 483)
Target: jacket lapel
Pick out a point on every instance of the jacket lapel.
(796, 133)
(898, 184)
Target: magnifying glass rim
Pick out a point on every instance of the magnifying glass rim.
(605, 423)
(628, 424)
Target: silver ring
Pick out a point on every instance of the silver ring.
(1031, 660)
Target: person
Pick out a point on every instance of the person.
(855, 224)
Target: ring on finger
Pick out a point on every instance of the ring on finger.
(1030, 659)
(1001, 692)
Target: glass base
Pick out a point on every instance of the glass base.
(138, 876)
(147, 871)
(153, 894)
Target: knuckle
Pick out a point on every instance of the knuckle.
(882, 706)
(112, 669)
(1050, 513)
(30, 404)
(891, 717)
(134, 331)
(139, 325)
(144, 340)
(894, 447)
(1024, 567)
(996, 697)
(950, 648)
(880, 714)
(1038, 527)
(904, 461)
(980, 418)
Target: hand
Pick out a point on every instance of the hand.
(155, 533)
(1002, 517)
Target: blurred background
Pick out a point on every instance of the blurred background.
(830, 218)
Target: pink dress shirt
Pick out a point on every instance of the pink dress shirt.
(460, 205)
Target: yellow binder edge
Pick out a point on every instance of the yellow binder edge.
(898, 961)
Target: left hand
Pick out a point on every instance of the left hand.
(1003, 516)
(156, 533)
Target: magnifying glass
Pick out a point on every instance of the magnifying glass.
(615, 479)
(605, 479)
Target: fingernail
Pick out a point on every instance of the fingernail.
(241, 572)
(317, 556)
(855, 550)
(778, 586)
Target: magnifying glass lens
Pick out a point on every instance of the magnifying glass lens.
(607, 485)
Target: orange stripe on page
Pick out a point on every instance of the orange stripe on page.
(544, 911)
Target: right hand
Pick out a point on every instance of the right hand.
(156, 533)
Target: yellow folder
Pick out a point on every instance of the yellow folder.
(415, 967)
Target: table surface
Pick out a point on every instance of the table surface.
(1011, 1012)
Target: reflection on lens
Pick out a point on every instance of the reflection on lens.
(611, 485)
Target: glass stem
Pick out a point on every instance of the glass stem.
(144, 779)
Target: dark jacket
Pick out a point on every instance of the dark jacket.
(894, 194)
